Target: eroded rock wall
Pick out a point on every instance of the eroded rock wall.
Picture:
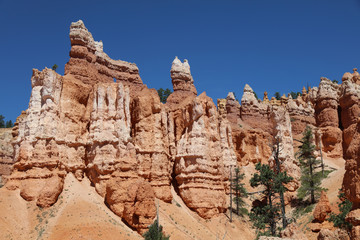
(118, 134)
(282, 133)
(6, 154)
(38, 145)
(203, 151)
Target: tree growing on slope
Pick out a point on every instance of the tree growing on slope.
(239, 192)
(266, 215)
(310, 177)
(281, 178)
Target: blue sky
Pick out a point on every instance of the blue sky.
(271, 45)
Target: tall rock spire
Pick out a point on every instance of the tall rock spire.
(183, 83)
(181, 76)
(90, 64)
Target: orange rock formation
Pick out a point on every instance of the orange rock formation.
(133, 148)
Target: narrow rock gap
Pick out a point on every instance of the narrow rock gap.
(173, 179)
(339, 110)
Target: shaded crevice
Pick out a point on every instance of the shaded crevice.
(339, 117)
(173, 179)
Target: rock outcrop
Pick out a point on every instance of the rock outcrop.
(327, 117)
(154, 140)
(6, 154)
(322, 209)
(90, 64)
(338, 234)
(250, 145)
(350, 112)
(183, 83)
(133, 201)
(302, 114)
(349, 102)
(37, 171)
(282, 133)
(204, 152)
(254, 113)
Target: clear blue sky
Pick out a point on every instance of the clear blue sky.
(271, 45)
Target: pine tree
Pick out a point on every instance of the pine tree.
(281, 177)
(2, 122)
(163, 94)
(265, 216)
(239, 192)
(54, 67)
(277, 95)
(310, 178)
(9, 124)
(154, 233)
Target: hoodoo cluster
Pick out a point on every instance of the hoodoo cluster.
(133, 148)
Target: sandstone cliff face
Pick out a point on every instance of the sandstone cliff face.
(350, 112)
(37, 146)
(301, 114)
(6, 154)
(255, 113)
(109, 146)
(349, 102)
(250, 145)
(203, 154)
(282, 132)
(119, 135)
(134, 201)
(255, 130)
(153, 135)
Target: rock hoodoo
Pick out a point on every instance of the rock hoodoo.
(322, 209)
(327, 117)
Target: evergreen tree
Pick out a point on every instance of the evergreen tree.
(294, 95)
(256, 96)
(2, 122)
(339, 220)
(9, 124)
(239, 192)
(54, 67)
(277, 95)
(265, 216)
(164, 94)
(281, 178)
(154, 233)
(310, 178)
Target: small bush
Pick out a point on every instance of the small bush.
(154, 234)
(339, 219)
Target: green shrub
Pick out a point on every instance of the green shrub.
(154, 233)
